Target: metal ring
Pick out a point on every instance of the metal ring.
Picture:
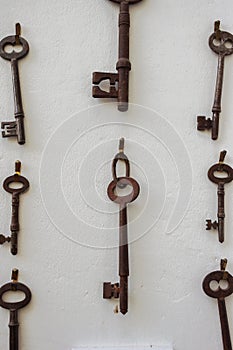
(221, 168)
(122, 200)
(223, 38)
(218, 276)
(11, 40)
(15, 287)
(15, 178)
(120, 156)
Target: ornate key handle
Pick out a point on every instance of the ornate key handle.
(123, 65)
(14, 306)
(15, 192)
(121, 289)
(222, 44)
(221, 294)
(220, 181)
(15, 128)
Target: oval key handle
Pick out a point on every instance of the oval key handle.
(129, 1)
(224, 168)
(15, 287)
(218, 276)
(123, 181)
(11, 40)
(15, 179)
(223, 39)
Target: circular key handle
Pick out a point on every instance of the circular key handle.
(122, 200)
(220, 44)
(218, 276)
(9, 287)
(129, 1)
(11, 40)
(223, 168)
(15, 179)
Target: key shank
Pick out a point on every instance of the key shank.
(14, 330)
(14, 223)
(226, 338)
(218, 97)
(221, 211)
(18, 105)
(123, 259)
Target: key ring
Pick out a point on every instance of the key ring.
(221, 167)
(125, 181)
(14, 40)
(15, 286)
(223, 38)
(16, 178)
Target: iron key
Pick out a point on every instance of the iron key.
(121, 290)
(222, 44)
(220, 181)
(123, 65)
(221, 294)
(16, 192)
(14, 307)
(15, 128)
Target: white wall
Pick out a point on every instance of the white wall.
(68, 224)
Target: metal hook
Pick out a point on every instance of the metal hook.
(14, 275)
(120, 156)
(223, 264)
(222, 156)
(17, 167)
(217, 29)
(17, 33)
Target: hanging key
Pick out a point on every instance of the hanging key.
(15, 128)
(14, 286)
(23, 185)
(119, 82)
(120, 290)
(222, 44)
(220, 181)
(221, 294)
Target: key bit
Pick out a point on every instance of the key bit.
(211, 225)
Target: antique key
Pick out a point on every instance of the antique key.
(220, 181)
(222, 44)
(16, 192)
(14, 307)
(221, 294)
(15, 128)
(121, 290)
(119, 82)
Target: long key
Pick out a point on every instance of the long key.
(14, 307)
(222, 44)
(221, 294)
(15, 192)
(15, 128)
(220, 181)
(123, 65)
(121, 290)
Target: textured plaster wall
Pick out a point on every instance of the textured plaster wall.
(68, 225)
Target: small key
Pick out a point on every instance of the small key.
(222, 44)
(15, 128)
(121, 290)
(221, 294)
(16, 192)
(220, 181)
(14, 307)
(119, 82)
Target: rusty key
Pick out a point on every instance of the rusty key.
(222, 44)
(220, 181)
(16, 192)
(221, 294)
(15, 128)
(14, 307)
(123, 65)
(121, 290)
